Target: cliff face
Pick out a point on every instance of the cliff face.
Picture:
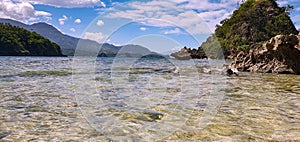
(281, 54)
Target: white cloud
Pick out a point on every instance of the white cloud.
(213, 14)
(296, 20)
(282, 2)
(143, 28)
(207, 5)
(67, 3)
(174, 31)
(42, 13)
(176, 48)
(179, 13)
(212, 18)
(72, 30)
(285, 2)
(62, 20)
(77, 21)
(24, 11)
(21, 11)
(116, 44)
(98, 37)
(100, 23)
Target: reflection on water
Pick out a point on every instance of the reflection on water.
(50, 99)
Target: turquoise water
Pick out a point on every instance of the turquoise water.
(123, 99)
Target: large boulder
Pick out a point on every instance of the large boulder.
(281, 54)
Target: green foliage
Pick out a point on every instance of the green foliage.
(15, 41)
(255, 21)
(243, 48)
(212, 47)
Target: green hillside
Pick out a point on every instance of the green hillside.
(15, 41)
(252, 23)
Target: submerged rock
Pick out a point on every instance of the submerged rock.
(4, 134)
(150, 116)
(281, 54)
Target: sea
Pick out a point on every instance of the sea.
(141, 99)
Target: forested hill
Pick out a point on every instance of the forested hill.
(254, 22)
(16, 41)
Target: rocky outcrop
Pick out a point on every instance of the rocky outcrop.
(188, 53)
(254, 21)
(281, 54)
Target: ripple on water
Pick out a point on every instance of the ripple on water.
(142, 101)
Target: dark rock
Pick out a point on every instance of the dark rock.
(183, 54)
(4, 134)
(150, 116)
(232, 71)
(188, 53)
(281, 54)
(153, 116)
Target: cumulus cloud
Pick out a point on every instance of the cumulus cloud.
(174, 31)
(77, 21)
(212, 18)
(98, 36)
(194, 16)
(143, 28)
(42, 13)
(176, 48)
(206, 5)
(72, 30)
(21, 11)
(68, 3)
(100, 23)
(62, 20)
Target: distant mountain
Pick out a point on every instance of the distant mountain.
(68, 43)
(16, 41)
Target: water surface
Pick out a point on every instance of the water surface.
(103, 99)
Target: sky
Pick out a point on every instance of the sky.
(161, 25)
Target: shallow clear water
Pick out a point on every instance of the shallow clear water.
(122, 99)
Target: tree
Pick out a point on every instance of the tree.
(253, 22)
(15, 41)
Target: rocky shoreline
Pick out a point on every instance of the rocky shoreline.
(281, 54)
(259, 37)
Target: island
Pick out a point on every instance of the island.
(259, 37)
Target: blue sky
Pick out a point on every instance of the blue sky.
(160, 25)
